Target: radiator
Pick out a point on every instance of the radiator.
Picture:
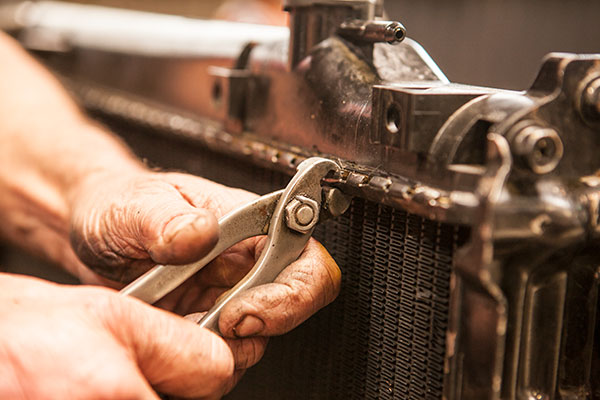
(470, 252)
(385, 336)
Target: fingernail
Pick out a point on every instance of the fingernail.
(249, 326)
(182, 223)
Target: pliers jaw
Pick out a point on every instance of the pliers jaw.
(288, 217)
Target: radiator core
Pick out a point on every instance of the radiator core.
(385, 336)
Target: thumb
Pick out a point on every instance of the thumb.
(143, 219)
(172, 230)
(176, 356)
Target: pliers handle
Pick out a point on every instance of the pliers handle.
(287, 216)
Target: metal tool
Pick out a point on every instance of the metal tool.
(287, 216)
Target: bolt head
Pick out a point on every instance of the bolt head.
(539, 148)
(302, 214)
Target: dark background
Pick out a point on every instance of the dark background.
(499, 42)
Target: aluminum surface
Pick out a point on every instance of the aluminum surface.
(522, 307)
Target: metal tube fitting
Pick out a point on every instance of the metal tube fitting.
(373, 31)
(538, 148)
(312, 21)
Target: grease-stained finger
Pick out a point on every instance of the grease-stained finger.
(304, 287)
(246, 351)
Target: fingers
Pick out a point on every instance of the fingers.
(246, 352)
(234, 381)
(175, 355)
(231, 266)
(173, 231)
(138, 221)
(137, 388)
(185, 237)
(203, 193)
(307, 285)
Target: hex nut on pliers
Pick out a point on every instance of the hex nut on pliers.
(279, 215)
(302, 214)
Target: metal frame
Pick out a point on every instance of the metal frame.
(520, 168)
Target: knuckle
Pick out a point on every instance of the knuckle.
(249, 351)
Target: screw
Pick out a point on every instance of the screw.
(539, 148)
(302, 214)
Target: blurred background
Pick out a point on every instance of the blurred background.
(484, 42)
(496, 43)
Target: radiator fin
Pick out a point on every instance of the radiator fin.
(384, 338)
(385, 335)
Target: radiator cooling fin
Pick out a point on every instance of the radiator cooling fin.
(384, 337)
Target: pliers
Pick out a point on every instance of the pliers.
(288, 218)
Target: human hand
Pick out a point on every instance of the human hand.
(60, 342)
(62, 175)
(119, 228)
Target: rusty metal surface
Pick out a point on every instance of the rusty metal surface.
(519, 169)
